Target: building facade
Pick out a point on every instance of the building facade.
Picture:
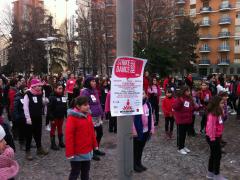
(4, 43)
(219, 32)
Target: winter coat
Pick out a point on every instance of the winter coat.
(80, 134)
(183, 110)
(167, 106)
(11, 94)
(18, 111)
(70, 85)
(214, 127)
(107, 103)
(94, 102)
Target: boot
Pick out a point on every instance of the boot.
(95, 157)
(41, 151)
(53, 144)
(29, 156)
(61, 144)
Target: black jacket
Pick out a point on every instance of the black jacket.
(57, 107)
(18, 111)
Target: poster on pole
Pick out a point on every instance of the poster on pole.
(127, 86)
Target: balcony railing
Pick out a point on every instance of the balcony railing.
(180, 13)
(205, 23)
(205, 49)
(204, 62)
(224, 48)
(225, 20)
(223, 35)
(223, 62)
(205, 37)
(205, 10)
(225, 7)
(180, 1)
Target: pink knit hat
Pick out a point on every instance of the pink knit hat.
(36, 82)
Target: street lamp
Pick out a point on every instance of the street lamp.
(47, 42)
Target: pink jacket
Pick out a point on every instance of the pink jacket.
(107, 103)
(8, 167)
(144, 121)
(214, 127)
(70, 85)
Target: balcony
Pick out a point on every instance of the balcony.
(223, 62)
(225, 7)
(206, 37)
(205, 49)
(205, 23)
(204, 62)
(224, 35)
(205, 10)
(225, 20)
(180, 13)
(224, 48)
(180, 2)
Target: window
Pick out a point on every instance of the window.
(238, 4)
(224, 30)
(217, 70)
(238, 70)
(193, 12)
(237, 29)
(224, 70)
(206, 4)
(231, 70)
(211, 70)
(237, 42)
(203, 71)
(238, 15)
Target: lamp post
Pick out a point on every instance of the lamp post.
(47, 42)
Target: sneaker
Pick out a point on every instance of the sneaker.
(233, 113)
(95, 157)
(99, 153)
(187, 150)
(48, 128)
(29, 156)
(182, 151)
(210, 175)
(138, 169)
(219, 177)
(42, 151)
(143, 167)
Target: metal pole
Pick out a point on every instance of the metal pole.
(125, 48)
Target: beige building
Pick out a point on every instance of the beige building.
(3, 50)
(219, 21)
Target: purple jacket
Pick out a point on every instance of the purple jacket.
(94, 102)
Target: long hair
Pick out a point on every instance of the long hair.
(214, 106)
(182, 91)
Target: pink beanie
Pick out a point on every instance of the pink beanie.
(36, 82)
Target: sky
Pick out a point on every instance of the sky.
(51, 5)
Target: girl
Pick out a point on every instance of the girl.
(69, 87)
(153, 93)
(214, 130)
(57, 110)
(112, 120)
(91, 92)
(143, 127)
(33, 107)
(8, 166)
(80, 139)
(205, 96)
(167, 105)
(183, 110)
(19, 115)
(104, 91)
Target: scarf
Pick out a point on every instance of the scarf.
(34, 92)
(138, 122)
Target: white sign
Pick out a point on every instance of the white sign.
(127, 86)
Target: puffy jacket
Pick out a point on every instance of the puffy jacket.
(94, 102)
(183, 110)
(80, 134)
(18, 111)
(214, 127)
(167, 106)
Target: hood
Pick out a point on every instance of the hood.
(74, 113)
(87, 81)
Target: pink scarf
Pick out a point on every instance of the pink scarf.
(34, 92)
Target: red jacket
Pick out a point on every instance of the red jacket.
(11, 94)
(167, 106)
(145, 83)
(205, 96)
(183, 110)
(80, 134)
(214, 126)
(70, 85)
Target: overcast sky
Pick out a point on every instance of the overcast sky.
(59, 8)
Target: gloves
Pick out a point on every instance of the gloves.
(29, 121)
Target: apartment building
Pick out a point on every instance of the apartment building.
(4, 43)
(219, 21)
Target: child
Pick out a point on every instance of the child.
(80, 139)
(143, 127)
(8, 166)
(33, 109)
(57, 110)
(69, 88)
(183, 110)
(167, 105)
(19, 115)
(153, 94)
(214, 130)
(205, 96)
(112, 120)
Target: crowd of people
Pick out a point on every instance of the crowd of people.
(85, 103)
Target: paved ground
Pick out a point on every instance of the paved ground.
(160, 156)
